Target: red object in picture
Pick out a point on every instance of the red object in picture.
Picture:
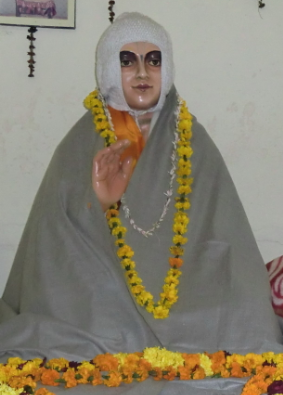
(44, 8)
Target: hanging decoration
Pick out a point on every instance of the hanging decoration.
(111, 12)
(31, 54)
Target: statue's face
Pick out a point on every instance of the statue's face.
(141, 74)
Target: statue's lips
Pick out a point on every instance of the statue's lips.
(142, 87)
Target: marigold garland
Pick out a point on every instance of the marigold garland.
(183, 135)
(20, 377)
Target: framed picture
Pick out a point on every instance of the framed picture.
(41, 13)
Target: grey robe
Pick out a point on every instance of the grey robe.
(67, 296)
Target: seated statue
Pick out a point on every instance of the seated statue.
(137, 237)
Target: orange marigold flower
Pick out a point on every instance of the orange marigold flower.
(157, 376)
(185, 373)
(96, 378)
(111, 212)
(49, 377)
(143, 375)
(106, 362)
(144, 365)
(191, 360)
(70, 378)
(85, 373)
(131, 361)
(18, 382)
(199, 373)
(170, 373)
(43, 391)
(175, 262)
(127, 374)
(236, 370)
(114, 380)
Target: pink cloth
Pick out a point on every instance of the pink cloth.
(275, 271)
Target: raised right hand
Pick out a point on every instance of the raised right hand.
(110, 176)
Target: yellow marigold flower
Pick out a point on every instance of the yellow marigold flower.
(150, 306)
(177, 251)
(120, 242)
(179, 228)
(108, 134)
(186, 189)
(278, 358)
(181, 218)
(97, 110)
(170, 295)
(136, 289)
(171, 280)
(254, 359)
(234, 358)
(128, 263)
(185, 151)
(160, 312)
(86, 365)
(182, 205)
(100, 118)
(121, 357)
(185, 181)
(114, 221)
(57, 363)
(183, 171)
(174, 272)
(119, 229)
(179, 240)
(268, 356)
(185, 135)
(125, 251)
(161, 358)
(144, 297)
(15, 361)
(102, 125)
(185, 124)
(7, 390)
(206, 364)
(134, 279)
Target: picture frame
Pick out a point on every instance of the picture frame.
(39, 13)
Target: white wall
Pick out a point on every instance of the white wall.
(229, 68)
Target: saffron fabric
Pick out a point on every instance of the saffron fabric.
(67, 296)
(126, 128)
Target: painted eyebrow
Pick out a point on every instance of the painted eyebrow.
(131, 55)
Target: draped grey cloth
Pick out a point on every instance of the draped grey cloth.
(67, 296)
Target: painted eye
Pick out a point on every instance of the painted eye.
(155, 62)
(126, 63)
(127, 58)
(153, 58)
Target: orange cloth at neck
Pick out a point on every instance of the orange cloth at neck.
(126, 128)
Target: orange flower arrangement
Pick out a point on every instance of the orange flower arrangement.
(265, 371)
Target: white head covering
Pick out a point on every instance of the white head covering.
(129, 28)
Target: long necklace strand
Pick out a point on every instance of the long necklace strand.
(183, 135)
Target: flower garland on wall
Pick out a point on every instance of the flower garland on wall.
(20, 377)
